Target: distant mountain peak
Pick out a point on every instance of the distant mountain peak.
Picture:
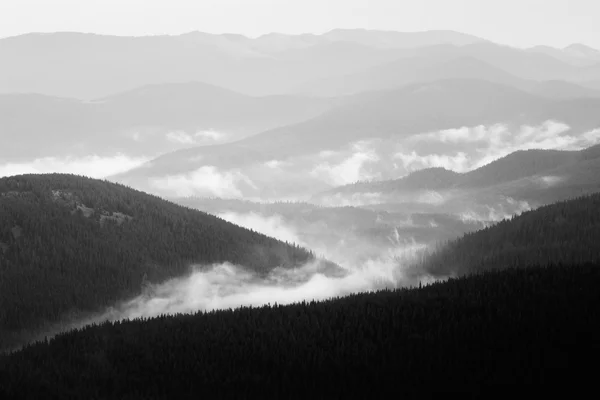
(583, 51)
(580, 47)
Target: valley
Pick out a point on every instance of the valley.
(296, 215)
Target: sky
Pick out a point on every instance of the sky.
(519, 23)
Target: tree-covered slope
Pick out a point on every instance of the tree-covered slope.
(71, 244)
(530, 327)
(565, 232)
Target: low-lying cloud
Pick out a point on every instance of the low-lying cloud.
(468, 148)
(205, 181)
(226, 286)
(198, 138)
(272, 225)
(350, 168)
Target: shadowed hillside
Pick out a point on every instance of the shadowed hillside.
(533, 328)
(71, 245)
(567, 232)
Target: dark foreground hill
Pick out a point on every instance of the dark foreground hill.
(515, 331)
(70, 245)
(565, 232)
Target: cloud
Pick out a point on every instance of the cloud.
(93, 166)
(275, 164)
(481, 145)
(225, 286)
(413, 161)
(350, 169)
(182, 137)
(354, 199)
(205, 181)
(495, 213)
(273, 225)
(549, 181)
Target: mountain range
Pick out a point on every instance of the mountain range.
(378, 126)
(144, 121)
(274, 170)
(89, 66)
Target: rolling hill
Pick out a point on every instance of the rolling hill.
(144, 121)
(70, 246)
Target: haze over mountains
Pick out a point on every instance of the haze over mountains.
(126, 100)
(89, 66)
(143, 121)
(360, 148)
(455, 123)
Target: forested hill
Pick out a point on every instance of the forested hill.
(531, 328)
(70, 244)
(566, 232)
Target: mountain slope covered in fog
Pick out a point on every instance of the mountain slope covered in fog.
(144, 121)
(71, 245)
(566, 232)
(531, 328)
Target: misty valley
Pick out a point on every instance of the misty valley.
(296, 216)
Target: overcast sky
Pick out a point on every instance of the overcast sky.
(519, 23)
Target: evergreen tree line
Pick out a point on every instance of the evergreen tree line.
(566, 232)
(56, 262)
(515, 331)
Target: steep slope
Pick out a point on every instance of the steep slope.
(74, 245)
(536, 327)
(144, 121)
(566, 232)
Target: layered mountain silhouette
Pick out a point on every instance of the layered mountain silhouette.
(393, 116)
(89, 66)
(536, 176)
(144, 121)
(576, 54)
(457, 64)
